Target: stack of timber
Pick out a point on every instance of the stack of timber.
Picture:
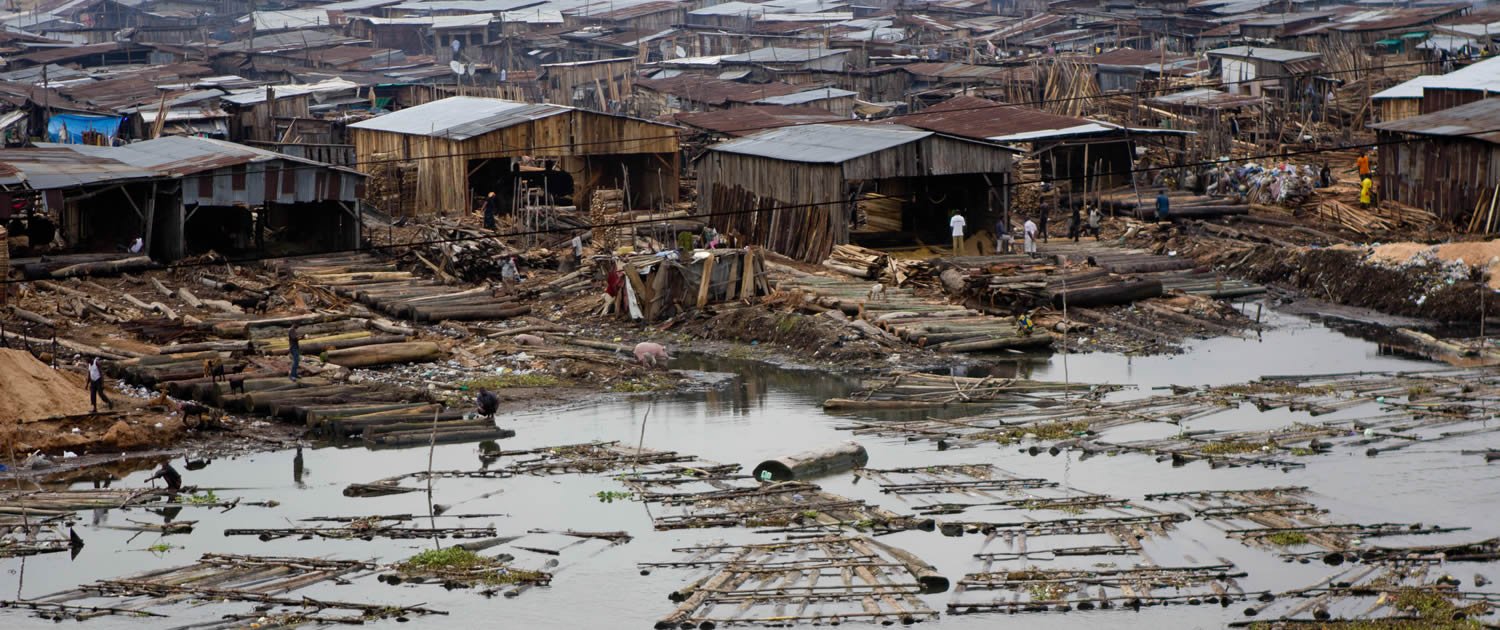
(878, 213)
(606, 210)
(1367, 221)
(81, 265)
(1098, 287)
(900, 312)
(401, 294)
(916, 390)
(856, 261)
(1182, 205)
(462, 252)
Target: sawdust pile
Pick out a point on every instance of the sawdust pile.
(30, 391)
(1484, 255)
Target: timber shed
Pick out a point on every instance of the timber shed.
(448, 154)
(801, 190)
(1447, 162)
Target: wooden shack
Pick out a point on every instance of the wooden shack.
(1447, 162)
(601, 85)
(799, 190)
(1257, 70)
(456, 150)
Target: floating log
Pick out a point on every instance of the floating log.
(809, 464)
(986, 343)
(386, 354)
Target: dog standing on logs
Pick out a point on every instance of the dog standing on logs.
(213, 368)
(237, 384)
(650, 354)
(877, 292)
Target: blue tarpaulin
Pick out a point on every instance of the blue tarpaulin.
(72, 128)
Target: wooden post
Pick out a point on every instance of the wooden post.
(708, 272)
(747, 275)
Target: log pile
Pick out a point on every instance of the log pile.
(856, 261)
(82, 265)
(401, 294)
(1367, 221)
(900, 313)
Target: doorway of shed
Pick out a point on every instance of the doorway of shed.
(906, 211)
(650, 180)
(222, 229)
(491, 175)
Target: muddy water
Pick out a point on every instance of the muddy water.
(759, 414)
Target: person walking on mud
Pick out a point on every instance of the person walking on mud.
(957, 222)
(96, 387)
(294, 350)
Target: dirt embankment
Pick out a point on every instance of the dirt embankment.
(807, 339)
(1426, 289)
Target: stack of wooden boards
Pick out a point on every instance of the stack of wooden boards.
(401, 294)
(1384, 217)
(925, 322)
(1180, 204)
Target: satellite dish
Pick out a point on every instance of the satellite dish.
(680, 52)
(456, 67)
(456, 45)
(469, 69)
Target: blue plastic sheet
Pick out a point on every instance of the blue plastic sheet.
(82, 128)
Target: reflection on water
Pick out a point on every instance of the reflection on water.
(763, 412)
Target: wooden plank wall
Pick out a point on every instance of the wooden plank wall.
(442, 164)
(1448, 176)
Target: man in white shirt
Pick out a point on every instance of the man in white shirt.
(1030, 232)
(96, 387)
(958, 223)
(135, 247)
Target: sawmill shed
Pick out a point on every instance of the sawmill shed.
(454, 151)
(188, 195)
(1447, 162)
(801, 190)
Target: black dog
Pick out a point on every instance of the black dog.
(237, 384)
(218, 371)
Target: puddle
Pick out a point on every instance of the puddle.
(765, 412)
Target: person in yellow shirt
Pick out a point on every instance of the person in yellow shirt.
(1365, 194)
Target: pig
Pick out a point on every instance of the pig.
(529, 340)
(650, 354)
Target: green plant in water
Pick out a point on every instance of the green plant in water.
(1047, 431)
(160, 548)
(504, 381)
(460, 563)
(635, 387)
(1287, 539)
(1229, 447)
(1303, 451)
(810, 514)
(206, 497)
(610, 496)
(1417, 391)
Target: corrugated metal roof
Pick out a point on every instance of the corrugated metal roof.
(776, 54)
(734, 7)
(54, 167)
(258, 94)
(1264, 53)
(717, 92)
(1478, 120)
(460, 117)
(1131, 57)
(808, 96)
(289, 19)
(740, 121)
(177, 156)
(822, 144)
(1481, 76)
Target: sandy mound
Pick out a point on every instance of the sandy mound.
(29, 390)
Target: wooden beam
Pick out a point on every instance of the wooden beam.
(708, 273)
